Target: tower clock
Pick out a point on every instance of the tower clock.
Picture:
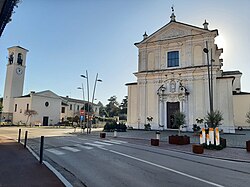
(14, 77)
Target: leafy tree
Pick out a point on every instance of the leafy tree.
(179, 120)
(214, 118)
(248, 117)
(124, 105)
(29, 114)
(112, 108)
(1, 107)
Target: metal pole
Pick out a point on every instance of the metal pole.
(208, 71)
(83, 98)
(212, 99)
(41, 149)
(88, 101)
(19, 136)
(25, 139)
(92, 102)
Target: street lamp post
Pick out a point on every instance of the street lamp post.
(99, 80)
(83, 98)
(210, 77)
(93, 96)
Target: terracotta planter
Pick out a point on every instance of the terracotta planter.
(173, 139)
(179, 140)
(248, 145)
(198, 149)
(183, 140)
(102, 135)
(223, 142)
(155, 142)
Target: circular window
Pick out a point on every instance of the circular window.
(46, 104)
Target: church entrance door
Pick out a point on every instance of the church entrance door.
(45, 120)
(171, 109)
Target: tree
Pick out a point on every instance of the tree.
(179, 120)
(214, 118)
(29, 114)
(124, 105)
(248, 117)
(112, 108)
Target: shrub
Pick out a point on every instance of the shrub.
(112, 126)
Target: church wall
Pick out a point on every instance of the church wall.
(52, 111)
(241, 107)
(18, 115)
(152, 101)
(225, 103)
(132, 106)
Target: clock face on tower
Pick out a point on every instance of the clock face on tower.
(19, 71)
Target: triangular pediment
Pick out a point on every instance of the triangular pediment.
(47, 93)
(174, 30)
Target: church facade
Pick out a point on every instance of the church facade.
(49, 107)
(173, 76)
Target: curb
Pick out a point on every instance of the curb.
(48, 165)
(190, 153)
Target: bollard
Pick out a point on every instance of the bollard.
(19, 136)
(25, 139)
(115, 133)
(41, 149)
(158, 135)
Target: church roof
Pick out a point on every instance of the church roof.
(176, 23)
(231, 73)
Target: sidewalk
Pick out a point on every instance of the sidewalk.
(20, 168)
(231, 152)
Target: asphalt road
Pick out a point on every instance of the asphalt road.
(113, 162)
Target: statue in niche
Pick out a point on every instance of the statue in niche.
(19, 59)
(11, 58)
(172, 86)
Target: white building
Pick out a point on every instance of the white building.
(173, 76)
(50, 107)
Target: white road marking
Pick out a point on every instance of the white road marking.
(166, 168)
(56, 152)
(109, 141)
(103, 148)
(84, 147)
(102, 143)
(119, 141)
(95, 145)
(70, 149)
(74, 141)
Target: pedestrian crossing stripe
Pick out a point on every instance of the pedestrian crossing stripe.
(87, 145)
(95, 145)
(55, 151)
(70, 149)
(102, 143)
(83, 146)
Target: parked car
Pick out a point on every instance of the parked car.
(6, 122)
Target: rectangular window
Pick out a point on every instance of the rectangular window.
(70, 107)
(63, 110)
(78, 107)
(27, 108)
(15, 107)
(173, 59)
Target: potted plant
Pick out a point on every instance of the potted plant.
(179, 121)
(213, 120)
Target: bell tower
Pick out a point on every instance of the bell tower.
(14, 78)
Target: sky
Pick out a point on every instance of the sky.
(67, 37)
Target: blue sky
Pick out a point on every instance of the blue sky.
(67, 37)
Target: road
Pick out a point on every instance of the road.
(109, 162)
